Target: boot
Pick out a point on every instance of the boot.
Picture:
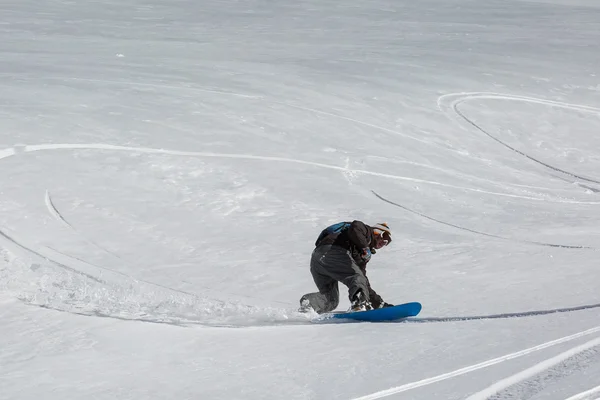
(305, 306)
(360, 303)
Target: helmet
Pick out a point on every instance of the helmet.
(382, 229)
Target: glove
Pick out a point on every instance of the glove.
(384, 305)
(366, 254)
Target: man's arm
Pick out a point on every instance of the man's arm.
(358, 233)
(374, 298)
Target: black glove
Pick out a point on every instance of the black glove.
(384, 305)
(365, 254)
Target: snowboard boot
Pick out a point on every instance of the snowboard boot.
(305, 306)
(360, 303)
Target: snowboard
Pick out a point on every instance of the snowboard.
(394, 313)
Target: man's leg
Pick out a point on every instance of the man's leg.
(328, 296)
(338, 264)
(325, 300)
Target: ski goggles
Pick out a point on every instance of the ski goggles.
(383, 235)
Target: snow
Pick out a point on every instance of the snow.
(167, 166)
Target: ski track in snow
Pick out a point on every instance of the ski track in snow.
(118, 295)
(485, 364)
(29, 248)
(522, 314)
(449, 104)
(58, 216)
(146, 150)
(587, 395)
(156, 85)
(7, 153)
(564, 246)
(523, 385)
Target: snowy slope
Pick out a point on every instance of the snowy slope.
(166, 167)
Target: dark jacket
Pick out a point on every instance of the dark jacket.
(354, 239)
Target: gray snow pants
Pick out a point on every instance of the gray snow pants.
(328, 266)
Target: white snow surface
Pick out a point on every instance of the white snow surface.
(165, 167)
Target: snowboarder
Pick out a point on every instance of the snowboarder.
(341, 255)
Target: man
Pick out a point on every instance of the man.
(341, 255)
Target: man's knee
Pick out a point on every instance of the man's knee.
(332, 295)
(330, 290)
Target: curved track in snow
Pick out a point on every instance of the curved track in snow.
(449, 104)
(54, 212)
(564, 246)
(147, 150)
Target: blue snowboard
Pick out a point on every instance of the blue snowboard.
(379, 315)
